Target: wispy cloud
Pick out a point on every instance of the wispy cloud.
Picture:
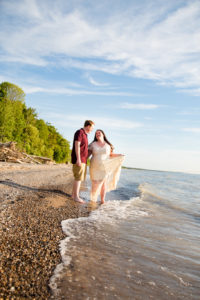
(190, 111)
(100, 122)
(104, 65)
(164, 44)
(95, 83)
(62, 87)
(139, 106)
(21, 59)
(69, 92)
(193, 92)
(193, 130)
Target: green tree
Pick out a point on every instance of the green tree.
(18, 108)
(61, 150)
(11, 92)
(11, 116)
(30, 115)
(19, 123)
(33, 143)
(43, 129)
(7, 120)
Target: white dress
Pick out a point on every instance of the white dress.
(104, 167)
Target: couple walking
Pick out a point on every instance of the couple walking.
(105, 166)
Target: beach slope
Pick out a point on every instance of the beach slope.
(34, 199)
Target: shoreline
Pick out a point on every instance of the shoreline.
(34, 199)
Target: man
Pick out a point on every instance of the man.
(79, 157)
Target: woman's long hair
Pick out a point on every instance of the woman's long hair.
(105, 139)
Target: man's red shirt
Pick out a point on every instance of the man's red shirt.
(81, 136)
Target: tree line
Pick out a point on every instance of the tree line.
(21, 124)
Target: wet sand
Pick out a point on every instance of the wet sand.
(34, 199)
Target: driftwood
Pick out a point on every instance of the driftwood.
(9, 153)
(10, 145)
(41, 158)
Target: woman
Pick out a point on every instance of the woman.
(104, 166)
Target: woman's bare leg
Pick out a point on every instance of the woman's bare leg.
(95, 190)
(103, 192)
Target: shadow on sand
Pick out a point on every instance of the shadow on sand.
(28, 188)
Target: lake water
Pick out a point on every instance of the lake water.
(143, 243)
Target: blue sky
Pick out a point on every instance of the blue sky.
(131, 66)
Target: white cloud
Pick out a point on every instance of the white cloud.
(139, 106)
(24, 60)
(193, 92)
(100, 122)
(191, 111)
(193, 130)
(95, 83)
(159, 42)
(62, 87)
(119, 124)
(69, 91)
(105, 66)
(28, 8)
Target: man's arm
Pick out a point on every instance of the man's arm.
(78, 155)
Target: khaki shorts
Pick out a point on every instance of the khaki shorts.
(79, 172)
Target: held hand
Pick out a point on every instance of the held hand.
(78, 162)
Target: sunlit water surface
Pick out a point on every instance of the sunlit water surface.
(143, 243)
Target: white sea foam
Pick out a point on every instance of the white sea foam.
(67, 226)
(109, 213)
(115, 210)
(173, 274)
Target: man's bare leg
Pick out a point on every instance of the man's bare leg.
(76, 190)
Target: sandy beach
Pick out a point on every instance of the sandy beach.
(34, 199)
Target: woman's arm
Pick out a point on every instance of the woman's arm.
(89, 150)
(114, 155)
(89, 153)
